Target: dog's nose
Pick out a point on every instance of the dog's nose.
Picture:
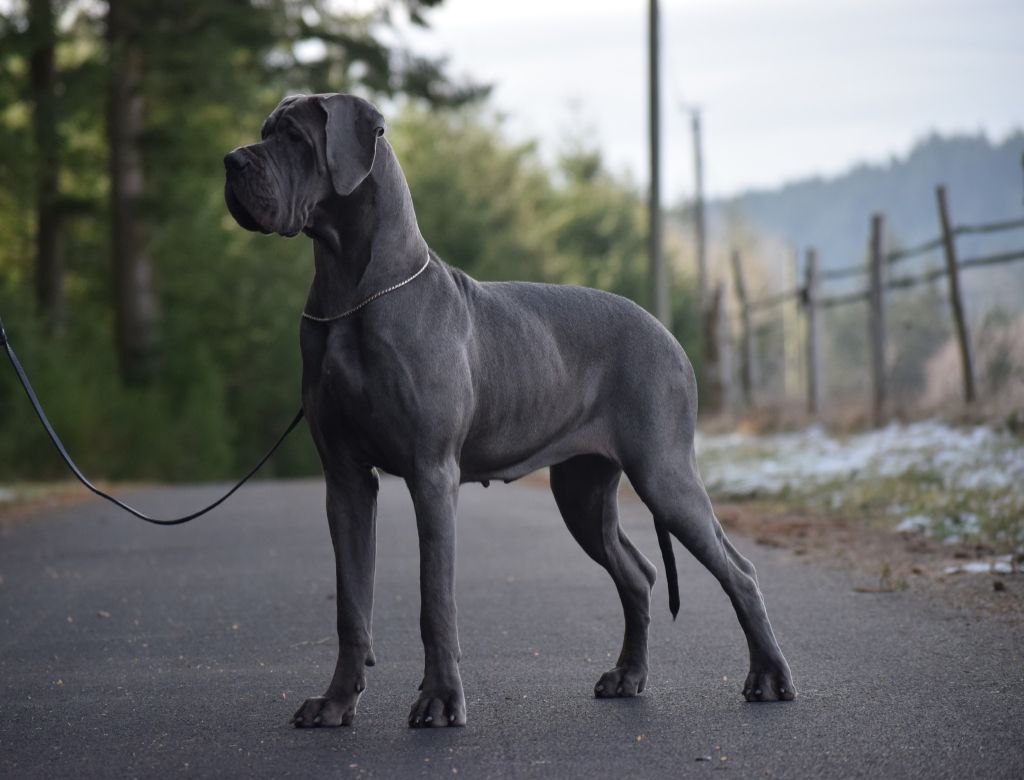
(235, 161)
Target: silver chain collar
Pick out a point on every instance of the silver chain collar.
(365, 301)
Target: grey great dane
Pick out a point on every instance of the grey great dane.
(441, 380)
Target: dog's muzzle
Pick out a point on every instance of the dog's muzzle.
(238, 190)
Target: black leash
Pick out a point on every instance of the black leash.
(82, 478)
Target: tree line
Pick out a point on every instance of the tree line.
(160, 335)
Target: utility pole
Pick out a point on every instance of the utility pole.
(710, 310)
(700, 228)
(659, 276)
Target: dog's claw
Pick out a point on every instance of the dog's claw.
(773, 684)
(445, 708)
(625, 681)
(323, 711)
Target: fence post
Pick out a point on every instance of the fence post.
(813, 332)
(715, 395)
(725, 351)
(955, 298)
(747, 334)
(876, 317)
(792, 353)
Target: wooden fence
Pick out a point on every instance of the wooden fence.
(880, 280)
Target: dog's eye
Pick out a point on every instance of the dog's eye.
(293, 133)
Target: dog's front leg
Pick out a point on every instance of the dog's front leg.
(351, 514)
(441, 701)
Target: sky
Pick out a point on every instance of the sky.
(787, 88)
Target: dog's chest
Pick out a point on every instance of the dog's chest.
(341, 376)
(346, 389)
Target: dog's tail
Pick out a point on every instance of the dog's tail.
(671, 576)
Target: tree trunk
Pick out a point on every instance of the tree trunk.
(49, 271)
(135, 295)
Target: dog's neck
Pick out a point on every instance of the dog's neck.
(365, 241)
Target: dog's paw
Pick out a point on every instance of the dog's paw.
(770, 684)
(323, 711)
(622, 681)
(438, 708)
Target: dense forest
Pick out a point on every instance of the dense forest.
(163, 338)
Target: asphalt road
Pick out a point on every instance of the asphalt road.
(128, 650)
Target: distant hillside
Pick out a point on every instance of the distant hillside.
(985, 181)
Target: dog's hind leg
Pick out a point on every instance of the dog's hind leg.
(585, 489)
(670, 485)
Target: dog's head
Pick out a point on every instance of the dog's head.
(313, 147)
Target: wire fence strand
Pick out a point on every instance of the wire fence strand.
(844, 273)
(773, 300)
(842, 300)
(1005, 257)
(892, 258)
(991, 227)
(899, 255)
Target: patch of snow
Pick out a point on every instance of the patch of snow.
(1000, 565)
(975, 458)
(914, 523)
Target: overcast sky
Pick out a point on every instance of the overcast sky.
(789, 88)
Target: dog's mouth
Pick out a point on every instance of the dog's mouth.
(241, 214)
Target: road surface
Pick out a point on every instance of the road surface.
(130, 650)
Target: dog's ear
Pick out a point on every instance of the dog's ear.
(352, 129)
